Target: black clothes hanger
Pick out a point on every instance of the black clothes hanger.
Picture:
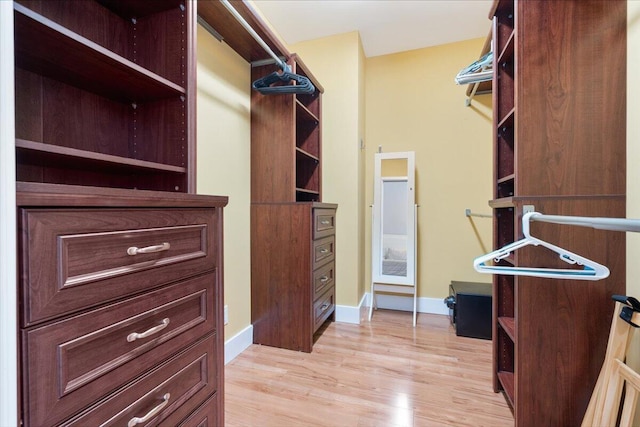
(277, 82)
(290, 83)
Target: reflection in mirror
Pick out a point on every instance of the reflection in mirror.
(394, 227)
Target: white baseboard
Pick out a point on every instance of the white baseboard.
(350, 314)
(405, 303)
(238, 343)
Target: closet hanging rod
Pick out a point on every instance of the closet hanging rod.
(283, 65)
(600, 223)
(468, 212)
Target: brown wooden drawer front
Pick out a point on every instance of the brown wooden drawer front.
(323, 251)
(87, 356)
(180, 385)
(78, 258)
(324, 222)
(205, 416)
(323, 307)
(323, 278)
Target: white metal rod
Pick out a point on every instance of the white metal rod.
(600, 223)
(468, 212)
(255, 35)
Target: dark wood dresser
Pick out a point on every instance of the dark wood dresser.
(293, 278)
(121, 307)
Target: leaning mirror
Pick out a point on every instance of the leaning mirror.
(393, 238)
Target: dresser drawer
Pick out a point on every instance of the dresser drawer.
(178, 386)
(89, 355)
(74, 259)
(324, 222)
(323, 307)
(323, 279)
(323, 250)
(205, 416)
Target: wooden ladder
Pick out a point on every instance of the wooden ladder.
(606, 399)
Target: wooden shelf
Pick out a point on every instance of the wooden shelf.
(304, 113)
(504, 202)
(138, 8)
(507, 120)
(508, 50)
(49, 49)
(73, 158)
(307, 191)
(507, 178)
(507, 381)
(509, 326)
(304, 155)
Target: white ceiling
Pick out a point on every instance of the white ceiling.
(385, 26)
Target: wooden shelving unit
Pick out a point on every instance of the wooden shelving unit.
(550, 153)
(119, 262)
(105, 94)
(292, 250)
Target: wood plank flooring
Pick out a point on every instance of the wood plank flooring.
(383, 373)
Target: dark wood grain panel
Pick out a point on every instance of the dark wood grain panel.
(323, 278)
(28, 104)
(88, 355)
(188, 379)
(161, 43)
(579, 101)
(54, 51)
(281, 275)
(173, 132)
(563, 325)
(324, 222)
(87, 19)
(272, 145)
(204, 416)
(139, 8)
(51, 195)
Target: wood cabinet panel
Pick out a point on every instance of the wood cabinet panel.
(559, 133)
(179, 386)
(323, 278)
(205, 416)
(97, 77)
(324, 222)
(76, 258)
(85, 356)
(288, 272)
(323, 307)
(324, 250)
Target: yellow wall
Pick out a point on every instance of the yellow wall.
(633, 162)
(337, 63)
(224, 162)
(413, 104)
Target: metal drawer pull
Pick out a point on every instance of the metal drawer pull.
(324, 250)
(135, 335)
(325, 222)
(324, 279)
(152, 413)
(149, 249)
(325, 306)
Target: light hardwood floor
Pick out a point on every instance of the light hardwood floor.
(383, 373)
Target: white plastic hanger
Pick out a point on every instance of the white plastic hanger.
(591, 270)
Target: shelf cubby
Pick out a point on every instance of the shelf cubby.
(101, 88)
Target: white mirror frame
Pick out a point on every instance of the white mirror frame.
(378, 220)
